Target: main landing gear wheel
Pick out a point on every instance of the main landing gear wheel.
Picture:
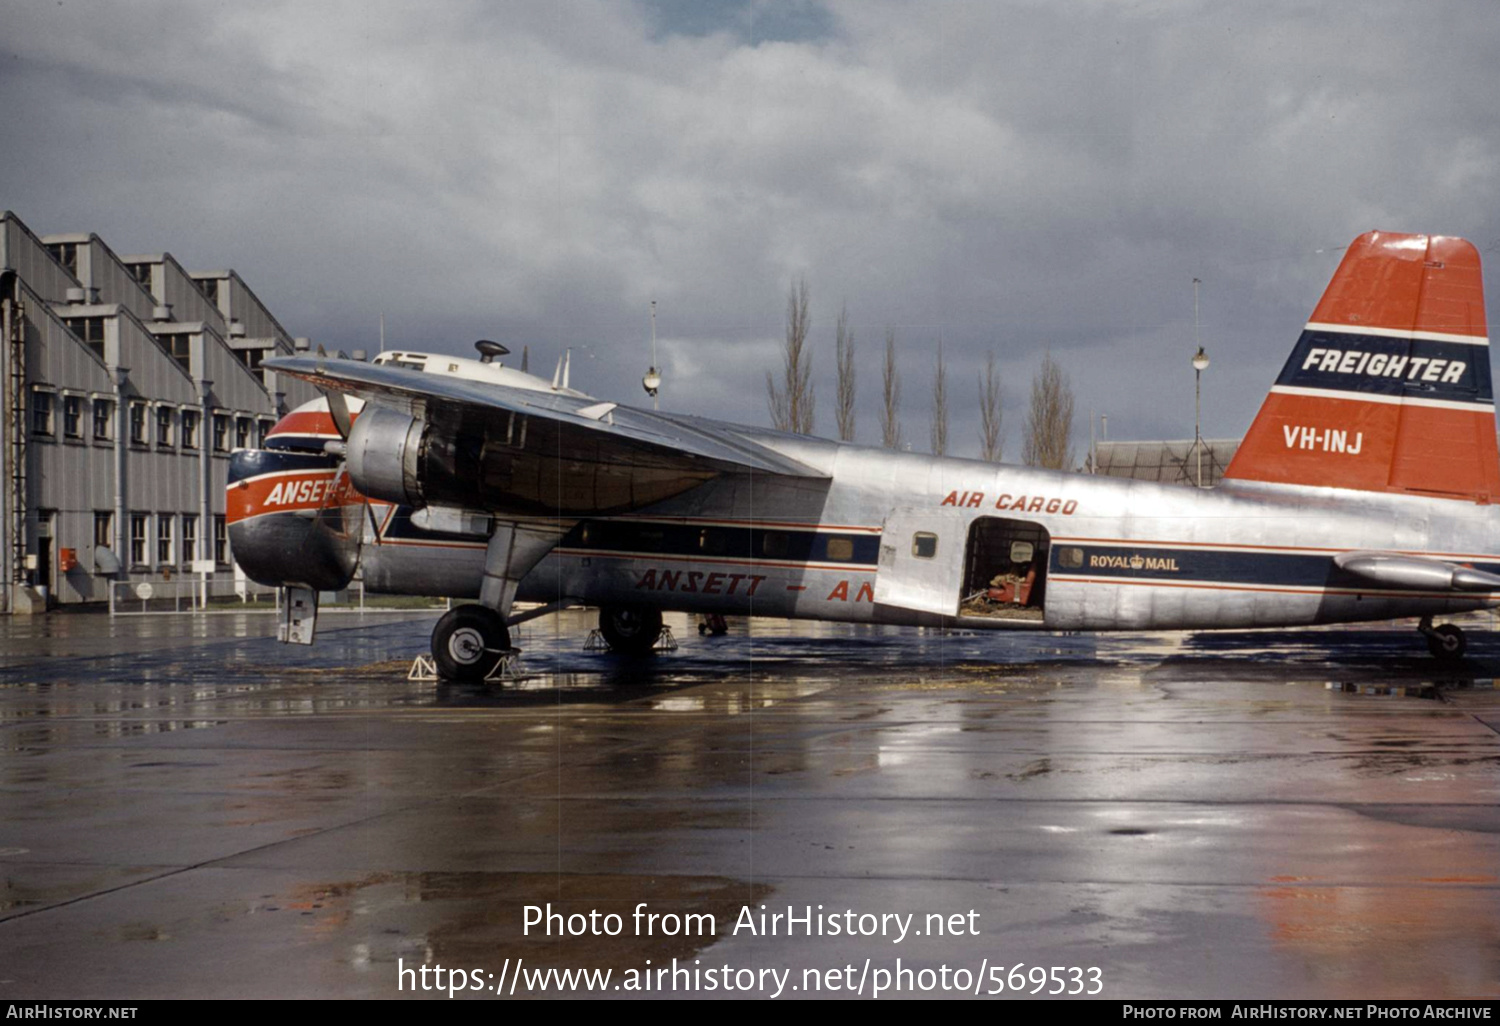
(1446, 642)
(468, 643)
(630, 630)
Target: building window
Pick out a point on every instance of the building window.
(164, 539)
(65, 253)
(141, 273)
(209, 287)
(189, 537)
(89, 330)
(164, 426)
(137, 423)
(137, 539)
(242, 428)
(72, 416)
(190, 429)
(263, 432)
(221, 540)
(181, 348)
(41, 412)
(221, 432)
(104, 419)
(104, 530)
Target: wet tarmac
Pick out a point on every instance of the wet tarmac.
(192, 810)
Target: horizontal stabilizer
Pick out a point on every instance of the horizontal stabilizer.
(1394, 570)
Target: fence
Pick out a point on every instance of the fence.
(228, 595)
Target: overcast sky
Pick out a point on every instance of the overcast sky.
(1001, 176)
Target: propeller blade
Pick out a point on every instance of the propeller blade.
(338, 408)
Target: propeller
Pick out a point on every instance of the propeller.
(338, 406)
(338, 410)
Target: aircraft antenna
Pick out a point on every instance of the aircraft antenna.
(652, 381)
(382, 331)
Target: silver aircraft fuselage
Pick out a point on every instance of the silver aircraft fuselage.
(1111, 554)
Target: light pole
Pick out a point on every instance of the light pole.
(1200, 364)
(652, 381)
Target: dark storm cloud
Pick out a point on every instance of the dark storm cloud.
(1014, 177)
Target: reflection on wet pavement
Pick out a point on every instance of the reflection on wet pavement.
(194, 810)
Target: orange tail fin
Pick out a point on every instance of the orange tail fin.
(1388, 389)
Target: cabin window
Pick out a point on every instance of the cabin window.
(711, 540)
(924, 545)
(1070, 557)
(840, 550)
(773, 545)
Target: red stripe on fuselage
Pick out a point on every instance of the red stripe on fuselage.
(287, 493)
(318, 423)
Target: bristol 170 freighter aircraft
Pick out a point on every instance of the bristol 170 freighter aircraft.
(1364, 490)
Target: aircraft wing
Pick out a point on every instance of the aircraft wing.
(575, 428)
(1424, 573)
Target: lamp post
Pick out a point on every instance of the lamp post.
(1200, 364)
(652, 381)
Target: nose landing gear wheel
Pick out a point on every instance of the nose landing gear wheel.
(630, 630)
(1446, 643)
(467, 643)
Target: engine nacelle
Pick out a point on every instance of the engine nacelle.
(384, 455)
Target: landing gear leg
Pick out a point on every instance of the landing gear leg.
(1446, 642)
(469, 642)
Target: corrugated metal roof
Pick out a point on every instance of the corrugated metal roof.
(1169, 462)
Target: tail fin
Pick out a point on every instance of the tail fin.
(1388, 389)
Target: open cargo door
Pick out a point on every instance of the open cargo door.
(921, 561)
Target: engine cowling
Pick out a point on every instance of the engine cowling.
(384, 454)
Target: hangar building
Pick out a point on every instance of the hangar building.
(125, 383)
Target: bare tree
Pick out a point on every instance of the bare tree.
(791, 403)
(843, 342)
(940, 405)
(1049, 423)
(991, 442)
(890, 413)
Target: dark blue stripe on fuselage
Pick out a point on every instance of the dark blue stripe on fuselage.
(400, 528)
(245, 463)
(646, 537)
(1212, 566)
(1376, 365)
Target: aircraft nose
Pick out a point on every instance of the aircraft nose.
(293, 519)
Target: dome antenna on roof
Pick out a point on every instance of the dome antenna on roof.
(489, 350)
(652, 381)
